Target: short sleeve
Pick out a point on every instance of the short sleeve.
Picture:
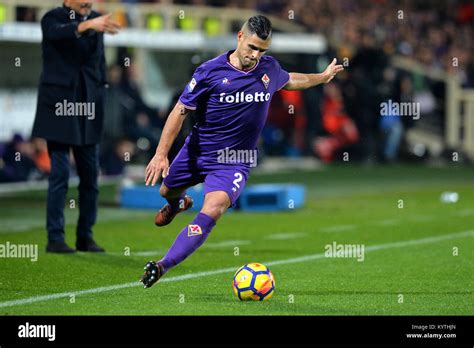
(197, 87)
(282, 76)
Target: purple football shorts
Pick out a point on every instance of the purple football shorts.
(187, 171)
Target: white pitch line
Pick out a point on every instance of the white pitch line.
(399, 244)
(157, 252)
(285, 236)
(387, 222)
(146, 253)
(337, 228)
(465, 212)
(135, 253)
(379, 247)
(422, 218)
(226, 243)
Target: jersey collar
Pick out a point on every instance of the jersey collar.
(239, 70)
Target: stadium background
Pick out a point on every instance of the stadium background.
(405, 51)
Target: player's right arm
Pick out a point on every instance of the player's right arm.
(159, 164)
(188, 101)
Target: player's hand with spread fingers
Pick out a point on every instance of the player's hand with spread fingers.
(159, 165)
(331, 71)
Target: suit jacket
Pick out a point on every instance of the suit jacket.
(74, 73)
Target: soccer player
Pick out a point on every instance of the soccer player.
(231, 95)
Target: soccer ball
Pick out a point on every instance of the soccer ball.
(253, 281)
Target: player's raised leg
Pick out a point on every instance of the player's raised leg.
(190, 238)
(178, 202)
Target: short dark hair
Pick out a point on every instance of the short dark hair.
(261, 26)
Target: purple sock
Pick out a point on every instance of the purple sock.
(188, 240)
(176, 203)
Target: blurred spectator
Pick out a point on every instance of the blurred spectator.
(141, 122)
(342, 130)
(16, 161)
(41, 156)
(114, 158)
(365, 73)
(391, 126)
(392, 132)
(26, 14)
(114, 122)
(284, 131)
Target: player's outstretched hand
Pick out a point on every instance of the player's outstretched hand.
(331, 71)
(159, 165)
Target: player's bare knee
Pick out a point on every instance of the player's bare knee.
(215, 204)
(214, 210)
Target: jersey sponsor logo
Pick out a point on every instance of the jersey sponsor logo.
(194, 230)
(242, 97)
(266, 80)
(192, 84)
(225, 81)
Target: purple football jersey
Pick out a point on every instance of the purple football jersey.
(231, 105)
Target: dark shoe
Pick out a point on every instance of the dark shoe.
(59, 247)
(89, 245)
(166, 214)
(153, 272)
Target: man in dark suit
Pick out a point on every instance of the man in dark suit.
(70, 113)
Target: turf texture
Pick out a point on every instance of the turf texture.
(418, 259)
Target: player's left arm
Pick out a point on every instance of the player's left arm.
(303, 81)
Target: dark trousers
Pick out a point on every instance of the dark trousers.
(87, 164)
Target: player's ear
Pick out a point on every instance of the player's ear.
(240, 36)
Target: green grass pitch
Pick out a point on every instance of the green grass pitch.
(419, 252)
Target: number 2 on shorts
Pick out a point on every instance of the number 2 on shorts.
(238, 179)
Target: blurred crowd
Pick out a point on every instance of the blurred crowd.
(364, 35)
(132, 129)
(131, 133)
(342, 117)
(431, 32)
(22, 159)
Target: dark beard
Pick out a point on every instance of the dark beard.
(249, 66)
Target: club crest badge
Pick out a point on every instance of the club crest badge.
(194, 230)
(266, 80)
(192, 84)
